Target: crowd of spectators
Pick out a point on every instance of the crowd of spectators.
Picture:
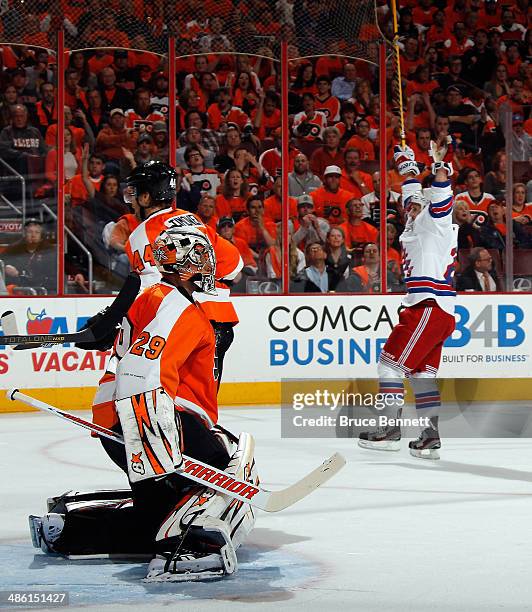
(464, 62)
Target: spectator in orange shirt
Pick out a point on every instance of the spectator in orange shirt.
(330, 200)
(267, 116)
(226, 229)
(222, 112)
(512, 59)
(232, 201)
(458, 42)
(362, 142)
(245, 95)
(369, 272)
(421, 81)
(422, 146)
(357, 231)
(410, 59)
(113, 137)
(74, 94)
(354, 180)
(207, 91)
(347, 126)
(206, 211)
(78, 134)
(258, 231)
(273, 205)
(45, 109)
(256, 176)
(438, 32)
(326, 103)
(101, 58)
(201, 64)
(309, 123)
(476, 199)
(521, 211)
(362, 96)
(393, 256)
(91, 172)
(329, 154)
(142, 116)
(423, 14)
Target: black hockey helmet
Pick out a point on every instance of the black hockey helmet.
(154, 177)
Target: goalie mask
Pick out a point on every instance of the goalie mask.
(188, 252)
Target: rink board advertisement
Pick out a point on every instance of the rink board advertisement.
(296, 337)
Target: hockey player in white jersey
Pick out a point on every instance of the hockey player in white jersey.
(413, 349)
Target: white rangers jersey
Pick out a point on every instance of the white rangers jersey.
(429, 245)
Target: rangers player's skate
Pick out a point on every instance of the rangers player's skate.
(384, 438)
(428, 443)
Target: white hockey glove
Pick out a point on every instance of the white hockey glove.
(442, 154)
(405, 160)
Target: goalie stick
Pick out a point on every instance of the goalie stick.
(98, 330)
(246, 492)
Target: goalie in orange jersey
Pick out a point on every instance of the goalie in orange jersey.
(166, 404)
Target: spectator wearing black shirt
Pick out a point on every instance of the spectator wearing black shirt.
(21, 143)
(479, 61)
(113, 96)
(94, 112)
(30, 262)
(463, 117)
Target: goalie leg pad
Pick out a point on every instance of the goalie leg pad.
(206, 526)
(152, 435)
(93, 523)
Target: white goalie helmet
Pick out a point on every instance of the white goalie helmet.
(188, 252)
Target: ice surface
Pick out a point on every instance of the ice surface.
(389, 532)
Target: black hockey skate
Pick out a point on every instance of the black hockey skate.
(382, 438)
(427, 445)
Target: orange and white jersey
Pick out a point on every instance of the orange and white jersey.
(142, 124)
(477, 205)
(228, 261)
(167, 341)
(330, 107)
(208, 181)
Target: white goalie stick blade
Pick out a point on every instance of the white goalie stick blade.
(202, 473)
(9, 323)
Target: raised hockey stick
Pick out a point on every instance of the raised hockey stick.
(98, 330)
(255, 495)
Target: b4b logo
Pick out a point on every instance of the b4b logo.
(495, 326)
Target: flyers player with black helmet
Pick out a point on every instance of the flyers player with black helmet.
(166, 402)
(151, 190)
